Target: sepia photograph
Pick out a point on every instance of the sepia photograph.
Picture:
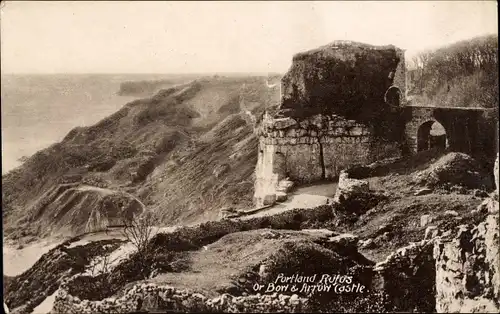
(250, 157)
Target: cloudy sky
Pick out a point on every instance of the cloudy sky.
(167, 37)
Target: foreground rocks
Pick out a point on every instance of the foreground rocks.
(407, 278)
(151, 297)
(468, 267)
(451, 271)
(455, 269)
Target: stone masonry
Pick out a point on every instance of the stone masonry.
(312, 149)
(161, 298)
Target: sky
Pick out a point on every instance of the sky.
(208, 37)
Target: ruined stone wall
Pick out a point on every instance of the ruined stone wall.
(400, 75)
(150, 297)
(313, 149)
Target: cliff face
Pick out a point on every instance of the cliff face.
(344, 78)
(467, 269)
(75, 209)
(468, 264)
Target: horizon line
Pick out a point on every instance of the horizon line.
(143, 73)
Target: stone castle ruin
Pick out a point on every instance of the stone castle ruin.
(343, 104)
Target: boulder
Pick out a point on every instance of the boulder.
(353, 194)
(348, 187)
(281, 196)
(285, 186)
(269, 199)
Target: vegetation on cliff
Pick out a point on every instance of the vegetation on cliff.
(464, 74)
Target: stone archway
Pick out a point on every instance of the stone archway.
(431, 134)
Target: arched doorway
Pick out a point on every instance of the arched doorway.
(393, 97)
(430, 135)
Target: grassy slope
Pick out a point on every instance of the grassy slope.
(156, 148)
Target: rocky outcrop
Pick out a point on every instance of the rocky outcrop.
(74, 209)
(407, 278)
(468, 268)
(344, 78)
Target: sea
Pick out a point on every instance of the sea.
(39, 110)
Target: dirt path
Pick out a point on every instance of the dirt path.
(303, 197)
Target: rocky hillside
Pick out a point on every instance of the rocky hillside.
(403, 248)
(184, 152)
